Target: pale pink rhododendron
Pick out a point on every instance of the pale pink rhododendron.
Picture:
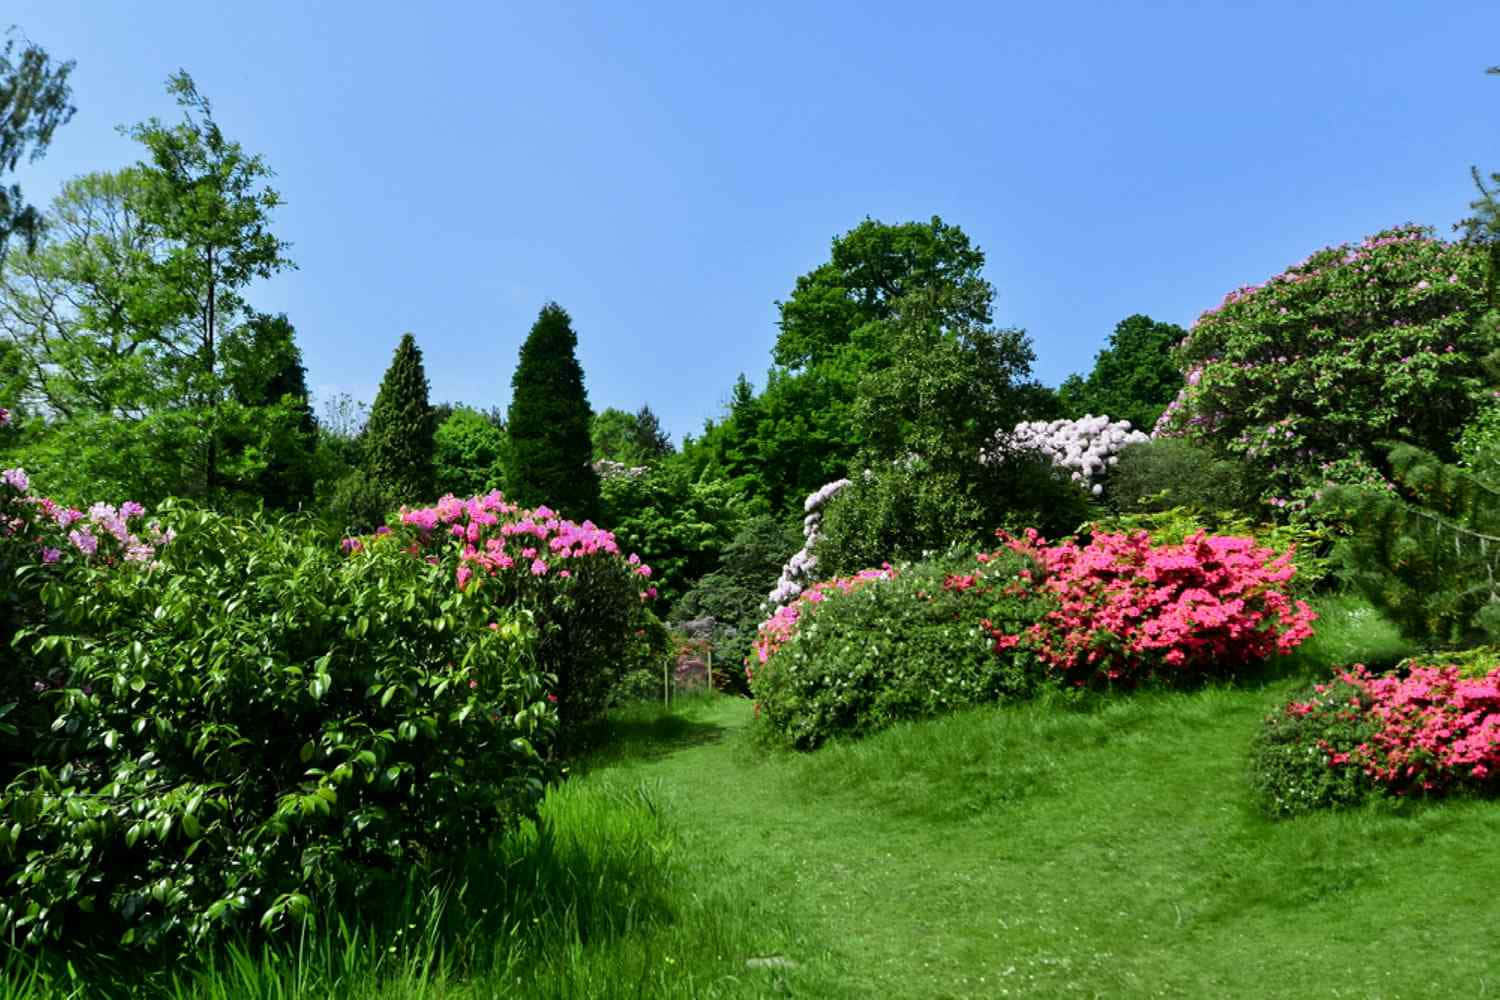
(776, 630)
(55, 530)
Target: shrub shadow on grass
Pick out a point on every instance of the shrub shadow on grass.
(641, 733)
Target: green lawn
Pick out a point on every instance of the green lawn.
(1040, 851)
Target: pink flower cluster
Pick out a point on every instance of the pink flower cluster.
(4, 416)
(55, 528)
(1126, 606)
(775, 631)
(1432, 728)
(494, 535)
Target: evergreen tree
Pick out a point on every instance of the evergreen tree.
(399, 435)
(549, 421)
(1428, 553)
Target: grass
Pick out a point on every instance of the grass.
(1056, 849)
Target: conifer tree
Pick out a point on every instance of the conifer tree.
(398, 437)
(549, 421)
(1428, 553)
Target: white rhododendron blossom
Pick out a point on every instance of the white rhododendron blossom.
(1086, 448)
(608, 469)
(798, 570)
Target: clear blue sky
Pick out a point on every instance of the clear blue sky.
(665, 170)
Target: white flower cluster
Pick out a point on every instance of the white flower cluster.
(799, 568)
(607, 469)
(1084, 448)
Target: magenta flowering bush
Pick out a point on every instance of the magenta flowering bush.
(1430, 730)
(588, 598)
(1127, 609)
(1358, 344)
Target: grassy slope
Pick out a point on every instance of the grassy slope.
(1038, 852)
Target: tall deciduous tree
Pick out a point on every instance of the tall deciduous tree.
(549, 421)
(206, 199)
(33, 103)
(266, 375)
(399, 434)
(1134, 377)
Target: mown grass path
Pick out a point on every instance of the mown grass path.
(1043, 851)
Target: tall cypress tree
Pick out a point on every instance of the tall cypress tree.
(398, 437)
(549, 421)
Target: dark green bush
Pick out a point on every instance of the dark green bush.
(257, 729)
(1289, 756)
(733, 594)
(911, 647)
(1155, 476)
(910, 510)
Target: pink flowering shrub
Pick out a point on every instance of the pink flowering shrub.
(855, 654)
(778, 628)
(588, 598)
(1127, 609)
(43, 541)
(1360, 344)
(1428, 731)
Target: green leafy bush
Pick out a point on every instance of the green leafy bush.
(732, 595)
(1290, 766)
(257, 729)
(910, 509)
(1359, 344)
(909, 647)
(1153, 476)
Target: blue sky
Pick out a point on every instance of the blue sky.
(665, 170)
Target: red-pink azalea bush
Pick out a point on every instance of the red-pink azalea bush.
(1427, 731)
(1127, 609)
(587, 598)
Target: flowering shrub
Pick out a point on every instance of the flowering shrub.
(42, 541)
(855, 654)
(1428, 731)
(1127, 609)
(1358, 344)
(256, 731)
(800, 567)
(782, 624)
(584, 594)
(1085, 448)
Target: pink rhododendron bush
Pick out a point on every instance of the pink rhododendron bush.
(1358, 345)
(1428, 730)
(41, 542)
(245, 729)
(589, 600)
(1127, 609)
